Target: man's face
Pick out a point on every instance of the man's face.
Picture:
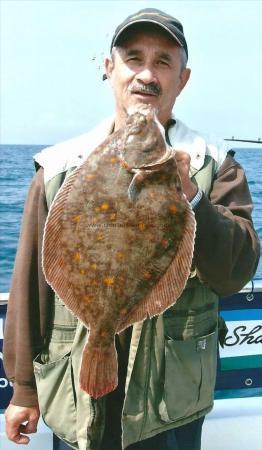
(146, 69)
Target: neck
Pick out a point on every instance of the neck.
(120, 121)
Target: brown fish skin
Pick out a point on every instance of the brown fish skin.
(143, 145)
(116, 255)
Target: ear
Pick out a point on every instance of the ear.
(109, 65)
(184, 77)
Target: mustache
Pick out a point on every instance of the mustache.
(151, 88)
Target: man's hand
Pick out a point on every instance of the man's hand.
(21, 420)
(183, 165)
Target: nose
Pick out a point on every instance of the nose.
(147, 75)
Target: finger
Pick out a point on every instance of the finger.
(20, 420)
(30, 427)
(15, 435)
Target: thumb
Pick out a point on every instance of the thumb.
(21, 439)
(182, 156)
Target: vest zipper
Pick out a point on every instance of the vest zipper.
(147, 378)
(92, 411)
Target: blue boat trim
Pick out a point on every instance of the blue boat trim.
(241, 362)
(237, 393)
(242, 315)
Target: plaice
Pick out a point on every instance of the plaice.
(118, 240)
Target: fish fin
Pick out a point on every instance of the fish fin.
(172, 283)
(135, 185)
(132, 190)
(98, 374)
(52, 261)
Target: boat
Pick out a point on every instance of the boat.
(235, 422)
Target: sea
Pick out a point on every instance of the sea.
(17, 169)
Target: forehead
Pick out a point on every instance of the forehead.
(149, 46)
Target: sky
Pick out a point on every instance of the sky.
(52, 54)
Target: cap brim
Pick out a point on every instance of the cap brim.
(146, 21)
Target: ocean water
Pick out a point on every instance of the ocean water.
(17, 169)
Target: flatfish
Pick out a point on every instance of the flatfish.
(119, 240)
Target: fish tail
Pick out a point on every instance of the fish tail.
(98, 374)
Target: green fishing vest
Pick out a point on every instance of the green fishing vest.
(171, 368)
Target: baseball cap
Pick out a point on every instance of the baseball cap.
(154, 16)
(157, 17)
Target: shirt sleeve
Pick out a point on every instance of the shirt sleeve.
(226, 247)
(26, 314)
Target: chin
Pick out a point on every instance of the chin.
(144, 100)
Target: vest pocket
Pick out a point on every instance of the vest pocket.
(56, 394)
(190, 371)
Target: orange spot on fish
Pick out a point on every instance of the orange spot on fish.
(103, 334)
(124, 164)
(90, 176)
(173, 209)
(97, 209)
(147, 275)
(94, 266)
(76, 218)
(82, 271)
(120, 255)
(105, 206)
(112, 216)
(113, 160)
(123, 311)
(77, 256)
(141, 226)
(100, 237)
(88, 298)
(109, 281)
(164, 242)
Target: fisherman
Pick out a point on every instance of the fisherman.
(167, 365)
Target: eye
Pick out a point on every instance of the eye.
(134, 58)
(163, 62)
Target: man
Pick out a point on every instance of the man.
(167, 365)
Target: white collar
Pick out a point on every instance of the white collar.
(183, 138)
(72, 153)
